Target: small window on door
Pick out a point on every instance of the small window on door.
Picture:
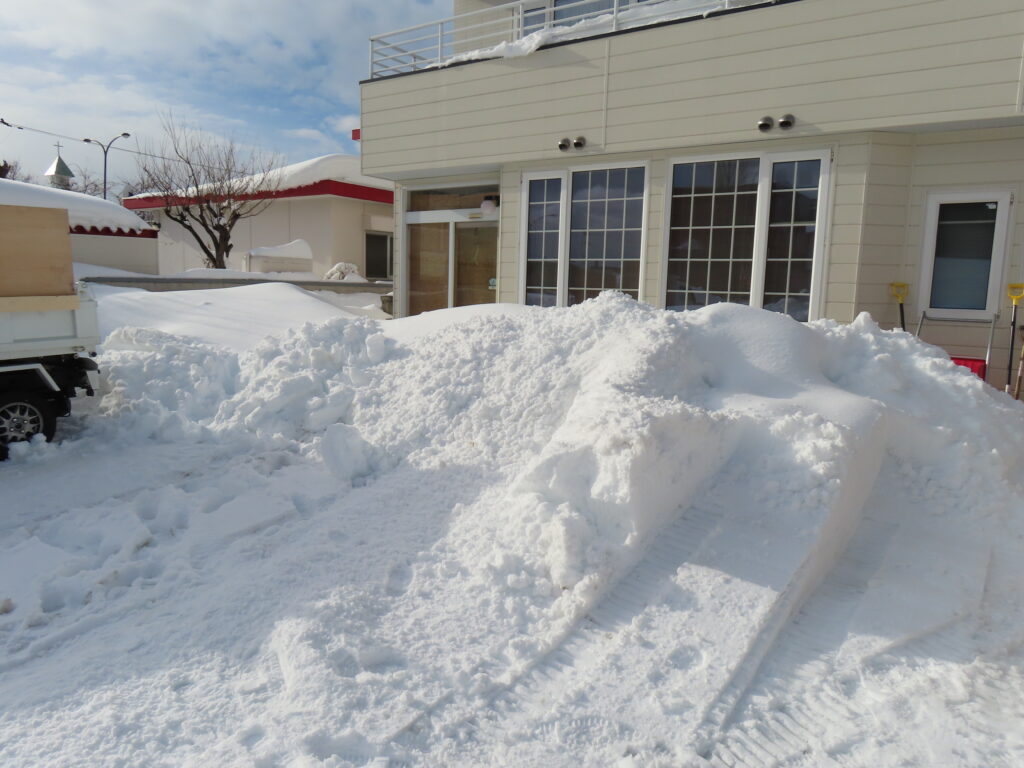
(964, 253)
(379, 257)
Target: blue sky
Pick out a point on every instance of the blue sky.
(282, 75)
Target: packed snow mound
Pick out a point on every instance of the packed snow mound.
(238, 318)
(526, 537)
(83, 210)
(296, 249)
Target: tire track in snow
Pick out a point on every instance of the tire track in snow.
(582, 650)
(806, 707)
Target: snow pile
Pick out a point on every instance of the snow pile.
(509, 535)
(296, 255)
(239, 317)
(83, 210)
(344, 270)
(637, 16)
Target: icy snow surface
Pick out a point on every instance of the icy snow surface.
(83, 210)
(603, 536)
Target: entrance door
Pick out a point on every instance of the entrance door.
(428, 267)
(452, 258)
(476, 262)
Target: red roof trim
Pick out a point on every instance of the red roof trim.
(325, 187)
(108, 232)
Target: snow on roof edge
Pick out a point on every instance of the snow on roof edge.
(333, 167)
(83, 210)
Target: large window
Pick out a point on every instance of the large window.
(582, 234)
(964, 252)
(745, 230)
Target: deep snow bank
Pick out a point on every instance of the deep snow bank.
(383, 531)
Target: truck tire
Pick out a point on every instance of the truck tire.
(23, 414)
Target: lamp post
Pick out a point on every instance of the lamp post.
(106, 149)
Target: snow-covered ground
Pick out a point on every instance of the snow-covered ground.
(603, 535)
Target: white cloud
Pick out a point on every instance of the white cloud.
(262, 67)
(342, 123)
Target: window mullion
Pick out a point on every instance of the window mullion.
(563, 242)
(764, 192)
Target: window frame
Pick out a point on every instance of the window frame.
(1004, 197)
(565, 174)
(767, 159)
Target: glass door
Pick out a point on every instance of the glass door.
(428, 267)
(476, 262)
(451, 251)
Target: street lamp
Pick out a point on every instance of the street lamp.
(106, 149)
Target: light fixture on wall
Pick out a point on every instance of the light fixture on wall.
(563, 144)
(489, 204)
(765, 124)
(786, 122)
(579, 142)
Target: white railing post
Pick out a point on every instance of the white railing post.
(518, 25)
(615, 15)
(440, 41)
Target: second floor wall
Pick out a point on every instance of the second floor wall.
(837, 66)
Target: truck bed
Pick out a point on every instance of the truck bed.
(36, 326)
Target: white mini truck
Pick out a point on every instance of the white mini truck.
(48, 324)
(46, 344)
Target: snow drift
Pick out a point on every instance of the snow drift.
(525, 537)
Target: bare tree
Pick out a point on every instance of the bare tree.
(207, 185)
(86, 183)
(11, 169)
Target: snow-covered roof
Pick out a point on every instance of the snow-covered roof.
(340, 168)
(327, 168)
(83, 210)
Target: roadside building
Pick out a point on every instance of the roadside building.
(327, 202)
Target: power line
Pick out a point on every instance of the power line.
(85, 141)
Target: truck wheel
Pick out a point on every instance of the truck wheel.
(23, 415)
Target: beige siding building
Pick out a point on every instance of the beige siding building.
(800, 156)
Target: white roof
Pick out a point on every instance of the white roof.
(347, 168)
(329, 167)
(83, 210)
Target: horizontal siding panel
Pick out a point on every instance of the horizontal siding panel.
(494, 111)
(820, 79)
(832, 110)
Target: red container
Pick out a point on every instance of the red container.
(975, 364)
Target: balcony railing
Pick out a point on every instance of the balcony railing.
(520, 27)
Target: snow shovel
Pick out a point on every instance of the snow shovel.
(899, 292)
(1016, 292)
(1020, 368)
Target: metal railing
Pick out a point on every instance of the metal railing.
(480, 34)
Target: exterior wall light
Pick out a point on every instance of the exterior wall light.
(765, 124)
(489, 204)
(563, 144)
(786, 122)
(579, 142)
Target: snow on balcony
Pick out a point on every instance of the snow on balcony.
(519, 28)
